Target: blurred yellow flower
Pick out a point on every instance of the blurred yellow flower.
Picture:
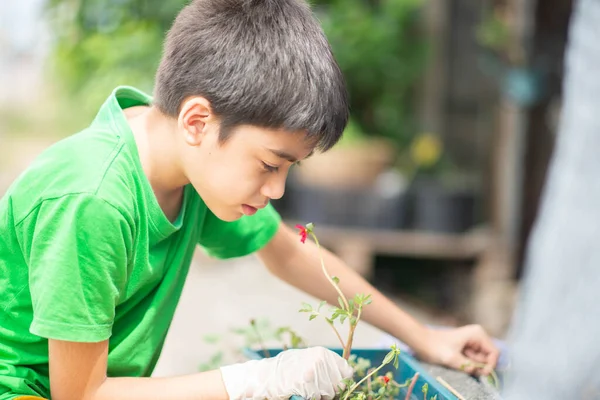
(426, 150)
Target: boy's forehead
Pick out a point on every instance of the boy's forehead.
(288, 145)
(291, 157)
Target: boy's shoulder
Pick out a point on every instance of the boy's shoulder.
(100, 161)
(95, 161)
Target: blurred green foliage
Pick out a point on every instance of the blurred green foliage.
(100, 44)
(382, 54)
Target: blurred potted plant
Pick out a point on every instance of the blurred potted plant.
(354, 163)
(442, 198)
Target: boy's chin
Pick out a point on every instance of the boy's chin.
(228, 214)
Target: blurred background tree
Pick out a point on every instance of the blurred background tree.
(382, 53)
(100, 44)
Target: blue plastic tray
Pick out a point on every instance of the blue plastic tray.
(407, 367)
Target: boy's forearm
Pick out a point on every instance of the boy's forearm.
(304, 271)
(202, 386)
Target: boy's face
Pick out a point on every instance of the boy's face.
(244, 173)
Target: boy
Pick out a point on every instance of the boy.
(97, 236)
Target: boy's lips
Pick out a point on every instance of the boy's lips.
(249, 210)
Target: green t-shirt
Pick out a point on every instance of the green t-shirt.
(86, 253)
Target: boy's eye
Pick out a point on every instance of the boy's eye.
(269, 168)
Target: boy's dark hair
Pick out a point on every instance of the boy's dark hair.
(259, 62)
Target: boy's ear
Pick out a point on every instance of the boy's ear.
(195, 119)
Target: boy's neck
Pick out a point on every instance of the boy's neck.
(156, 139)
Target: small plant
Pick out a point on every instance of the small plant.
(256, 334)
(348, 310)
(492, 378)
(295, 341)
(370, 385)
(425, 389)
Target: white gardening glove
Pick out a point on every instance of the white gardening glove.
(313, 373)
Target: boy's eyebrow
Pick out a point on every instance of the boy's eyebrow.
(286, 156)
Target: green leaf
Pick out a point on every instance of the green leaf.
(341, 303)
(347, 383)
(239, 331)
(336, 313)
(368, 300)
(381, 391)
(388, 358)
(434, 397)
(425, 388)
(212, 338)
(321, 304)
(280, 331)
(296, 341)
(313, 316)
(262, 323)
(335, 279)
(306, 308)
(396, 362)
(343, 318)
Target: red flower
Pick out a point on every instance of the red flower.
(385, 379)
(303, 232)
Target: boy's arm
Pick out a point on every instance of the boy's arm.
(299, 264)
(78, 372)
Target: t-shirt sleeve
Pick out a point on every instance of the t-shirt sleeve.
(221, 239)
(78, 257)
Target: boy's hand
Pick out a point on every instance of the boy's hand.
(313, 373)
(468, 348)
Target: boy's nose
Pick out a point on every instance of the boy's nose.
(275, 187)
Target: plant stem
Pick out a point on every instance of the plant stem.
(411, 387)
(262, 345)
(336, 333)
(495, 379)
(494, 376)
(353, 388)
(337, 288)
(348, 347)
(369, 388)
